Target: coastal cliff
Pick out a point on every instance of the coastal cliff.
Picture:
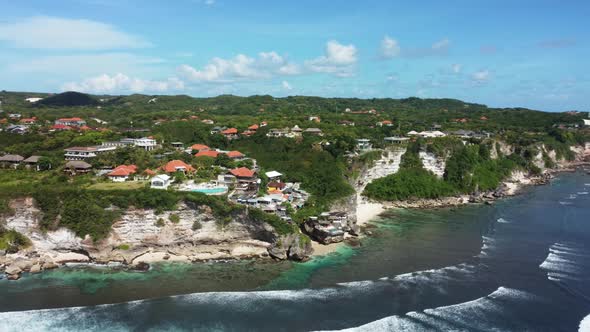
(142, 236)
(366, 209)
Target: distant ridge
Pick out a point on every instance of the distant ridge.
(70, 98)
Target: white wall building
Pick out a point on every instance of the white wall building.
(161, 181)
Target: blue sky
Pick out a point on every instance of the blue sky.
(501, 53)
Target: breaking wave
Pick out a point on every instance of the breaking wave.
(485, 313)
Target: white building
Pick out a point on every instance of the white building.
(586, 122)
(146, 143)
(85, 152)
(161, 181)
(33, 99)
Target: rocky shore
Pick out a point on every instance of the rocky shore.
(142, 237)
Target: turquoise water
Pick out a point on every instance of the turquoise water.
(211, 191)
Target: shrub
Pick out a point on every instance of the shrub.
(174, 218)
(160, 222)
(197, 225)
(123, 247)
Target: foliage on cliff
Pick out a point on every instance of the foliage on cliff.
(12, 241)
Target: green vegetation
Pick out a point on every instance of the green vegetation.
(160, 222)
(123, 246)
(468, 169)
(12, 241)
(411, 181)
(280, 226)
(196, 225)
(174, 218)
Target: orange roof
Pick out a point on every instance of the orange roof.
(230, 131)
(149, 172)
(199, 147)
(242, 172)
(3, 120)
(33, 119)
(123, 170)
(61, 127)
(70, 119)
(207, 153)
(253, 127)
(386, 122)
(235, 154)
(176, 165)
(84, 128)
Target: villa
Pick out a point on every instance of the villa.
(77, 167)
(207, 153)
(12, 160)
(122, 173)
(236, 155)
(177, 166)
(363, 144)
(314, 131)
(161, 181)
(199, 147)
(76, 122)
(230, 133)
(86, 152)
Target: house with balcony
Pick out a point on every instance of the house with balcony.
(161, 181)
(72, 122)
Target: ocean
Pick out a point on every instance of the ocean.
(522, 264)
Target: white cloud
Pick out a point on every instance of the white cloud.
(480, 76)
(42, 32)
(339, 60)
(209, 2)
(456, 68)
(122, 83)
(266, 65)
(441, 44)
(85, 65)
(286, 85)
(389, 47)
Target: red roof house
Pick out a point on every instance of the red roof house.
(176, 166)
(235, 154)
(199, 147)
(207, 153)
(253, 127)
(61, 127)
(230, 131)
(242, 172)
(121, 173)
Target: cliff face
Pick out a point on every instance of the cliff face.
(142, 236)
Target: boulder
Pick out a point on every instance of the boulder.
(35, 268)
(293, 246)
(49, 265)
(141, 267)
(13, 272)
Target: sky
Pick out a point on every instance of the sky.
(500, 53)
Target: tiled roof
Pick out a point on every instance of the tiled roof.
(207, 153)
(230, 131)
(242, 172)
(199, 147)
(123, 170)
(175, 165)
(235, 154)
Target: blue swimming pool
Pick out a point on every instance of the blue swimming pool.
(211, 191)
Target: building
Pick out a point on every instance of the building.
(314, 118)
(177, 166)
(230, 133)
(586, 122)
(17, 129)
(314, 131)
(363, 144)
(386, 123)
(199, 147)
(33, 99)
(122, 173)
(145, 143)
(273, 176)
(246, 179)
(346, 123)
(28, 121)
(177, 145)
(277, 132)
(77, 167)
(207, 153)
(396, 140)
(32, 162)
(11, 160)
(161, 181)
(328, 227)
(72, 122)
(236, 155)
(86, 152)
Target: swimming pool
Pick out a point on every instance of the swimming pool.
(211, 191)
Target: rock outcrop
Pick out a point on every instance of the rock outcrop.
(142, 237)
